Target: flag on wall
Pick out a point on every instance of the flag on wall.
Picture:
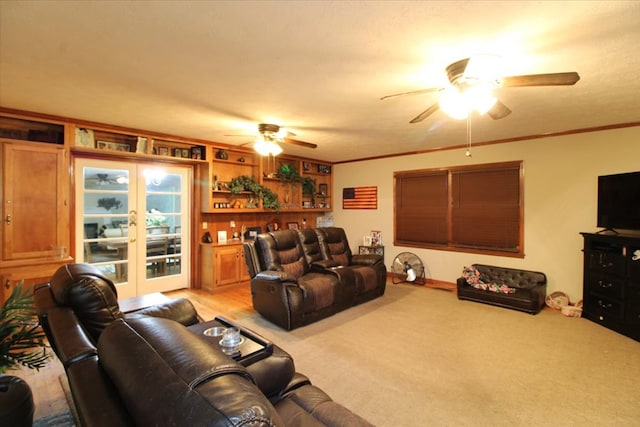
(360, 198)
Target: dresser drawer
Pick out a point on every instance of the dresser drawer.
(604, 308)
(606, 286)
(607, 263)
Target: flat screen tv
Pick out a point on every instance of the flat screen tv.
(619, 201)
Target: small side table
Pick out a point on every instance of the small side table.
(377, 250)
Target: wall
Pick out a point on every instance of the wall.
(560, 200)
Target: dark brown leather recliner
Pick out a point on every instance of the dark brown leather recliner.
(369, 271)
(145, 368)
(299, 277)
(285, 290)
(74, 308)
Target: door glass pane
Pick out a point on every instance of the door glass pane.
(163, 222)
(105, 217)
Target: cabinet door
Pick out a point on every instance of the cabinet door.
(244, 270)
(33, 202)
(227, 260)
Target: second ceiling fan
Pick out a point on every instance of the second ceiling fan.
(269, 137)
(472, 88)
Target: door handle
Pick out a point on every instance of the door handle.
(133, 218)
(8, 219)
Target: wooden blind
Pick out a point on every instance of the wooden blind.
(421, 207)
(474, 208)
(485, 211)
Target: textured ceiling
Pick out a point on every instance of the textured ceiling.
(207, 69)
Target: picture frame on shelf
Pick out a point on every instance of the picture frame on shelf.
(366, 241)
(293, 226)
(306, 166)
(196, 153)
(113, 146)
(274, 225)
(85, 138)
(186, 153)
(163, 150)
(177, 152)
(324, 168)
(252, 233)
(222, 236)
(323, 189)
(141, 145)
(376, 238)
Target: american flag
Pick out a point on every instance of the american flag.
(360, 198)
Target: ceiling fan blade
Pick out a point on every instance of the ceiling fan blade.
(551, 79)
(413, 92)
(457, 69)
(300, 143)
(426, 113)
(499, 111)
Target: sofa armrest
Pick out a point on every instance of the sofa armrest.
(181, 310)
(324, 264)
(68, 338)
(274, 373)
(275, 276)
(366, 259)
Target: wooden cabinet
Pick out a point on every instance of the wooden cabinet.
(30, 274)
(35, 203)
(223, 264)
(612, 282)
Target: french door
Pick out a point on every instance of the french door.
(131, 220)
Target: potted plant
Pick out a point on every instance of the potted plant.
(288, 175)
(22, 343)
(246, 183)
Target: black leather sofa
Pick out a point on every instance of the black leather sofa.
(530, 288)
(148, 368)
(300, 277)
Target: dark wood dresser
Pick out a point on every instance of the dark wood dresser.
(612, 282)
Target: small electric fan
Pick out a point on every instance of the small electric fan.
(407, 267)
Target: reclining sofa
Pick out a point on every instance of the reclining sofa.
(528, 289)
(300, 277)
(149, 368)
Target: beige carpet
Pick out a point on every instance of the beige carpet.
(419, 357)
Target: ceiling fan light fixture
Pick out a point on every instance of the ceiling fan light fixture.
(458, 103)
(265, 145)
(480, 98)
(453, 104)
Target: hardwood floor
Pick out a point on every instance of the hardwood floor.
(231, 302)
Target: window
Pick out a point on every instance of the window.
(468, 208)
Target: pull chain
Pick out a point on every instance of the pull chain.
(468, 152)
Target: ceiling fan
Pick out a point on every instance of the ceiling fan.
(269, 137)
(473, 81)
